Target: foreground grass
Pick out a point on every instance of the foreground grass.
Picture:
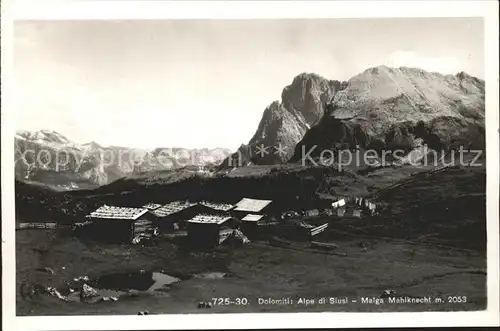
(257, 270)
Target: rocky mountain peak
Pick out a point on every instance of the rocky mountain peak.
(308, 94)
(406, 94)
(48, 136)
(92, 146)
(381, 107)
(272, 115)
(284, 123)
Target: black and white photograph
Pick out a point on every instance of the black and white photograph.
(223, 166)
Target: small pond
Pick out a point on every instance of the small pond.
(140, 281)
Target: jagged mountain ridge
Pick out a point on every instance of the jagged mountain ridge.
(284, 123)
(388, 108)
(48, 157)
(378, 108)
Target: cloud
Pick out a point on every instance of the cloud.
(441, 64)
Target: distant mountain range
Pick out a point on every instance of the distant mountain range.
(48, 157)
(381, 108)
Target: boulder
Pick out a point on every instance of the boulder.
(236, 238)
(55, 293)
(81, 278)
(87, 292)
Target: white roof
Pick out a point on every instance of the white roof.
(172, 208)
(122, 213)
(217, 206)
(252, 218)
(209, 219)
(251, 205)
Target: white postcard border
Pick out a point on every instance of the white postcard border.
(38, 9)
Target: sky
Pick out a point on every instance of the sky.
(206, 83)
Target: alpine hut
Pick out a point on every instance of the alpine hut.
(175, 214)
(250, 223)
(116, 223)
(208, 230)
